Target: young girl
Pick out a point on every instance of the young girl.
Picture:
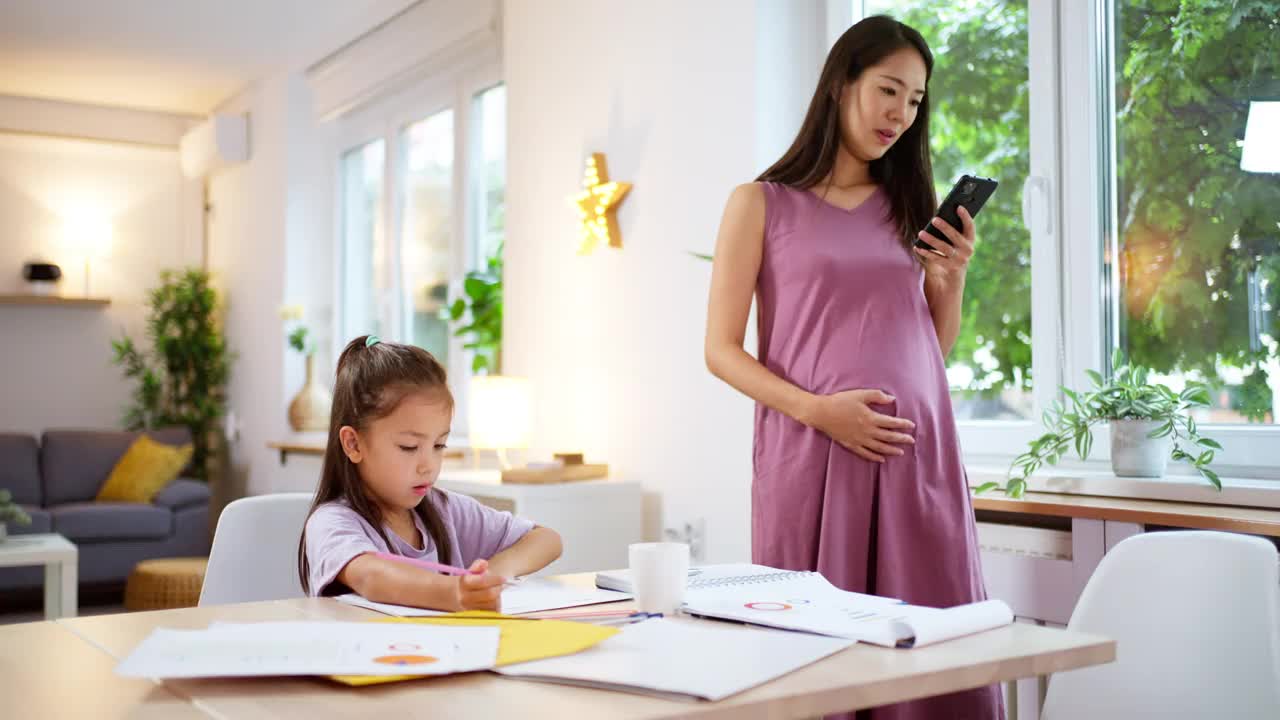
(857, 465)
(391, 418)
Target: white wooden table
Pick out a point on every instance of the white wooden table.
(60, 559)
(862, 676)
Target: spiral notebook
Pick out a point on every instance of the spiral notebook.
(807, 602)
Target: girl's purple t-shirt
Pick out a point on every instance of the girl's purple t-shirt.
(336, 535)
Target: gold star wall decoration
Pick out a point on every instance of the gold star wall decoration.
(597, 207)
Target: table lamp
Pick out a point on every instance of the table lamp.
(500, 414)
(90, 236)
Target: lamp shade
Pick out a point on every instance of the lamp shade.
(1262, 138)
(87, 234)
(500, 412)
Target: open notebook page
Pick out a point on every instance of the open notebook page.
(531, 595)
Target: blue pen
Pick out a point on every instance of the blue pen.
(629, 619)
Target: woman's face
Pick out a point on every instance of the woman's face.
(877, 107)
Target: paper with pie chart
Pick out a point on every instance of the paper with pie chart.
(312, 648)
(807, 602)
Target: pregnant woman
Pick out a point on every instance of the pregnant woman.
(857, 465)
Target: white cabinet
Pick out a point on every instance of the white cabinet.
(1040, 572)
(597, 519)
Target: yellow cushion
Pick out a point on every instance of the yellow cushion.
(147, 466)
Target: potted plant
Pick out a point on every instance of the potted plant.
(10, 511)
(183, 380)
(309, 409)
(1149, 424)
(482, 298)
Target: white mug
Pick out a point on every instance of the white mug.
(659, 572)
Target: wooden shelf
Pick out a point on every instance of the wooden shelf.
(17, 299)
(1258, 521)
(317, 450)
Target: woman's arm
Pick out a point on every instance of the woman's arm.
(845, 416)
(388, 581)
(944, 277)
(537, 549)
(734, 271)
(944, 301)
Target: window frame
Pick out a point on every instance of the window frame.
(452, 90)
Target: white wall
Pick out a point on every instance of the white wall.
(55, 362)
(687, 100)
(269, 245)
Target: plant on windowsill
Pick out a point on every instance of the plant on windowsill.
(1149, 424)
(309, 409)
(10, 511)
(481, 304)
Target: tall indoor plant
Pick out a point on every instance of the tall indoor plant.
(182, 381)
(1149, 424)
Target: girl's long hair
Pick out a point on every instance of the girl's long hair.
(371, 381)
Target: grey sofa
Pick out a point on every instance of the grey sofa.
(56, 481)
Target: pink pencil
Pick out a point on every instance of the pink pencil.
(437, 567)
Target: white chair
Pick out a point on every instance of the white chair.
(1194, 617)
(255, 550)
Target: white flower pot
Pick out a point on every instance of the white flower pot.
(1133, 454)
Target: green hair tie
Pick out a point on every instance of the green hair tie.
(371, 341)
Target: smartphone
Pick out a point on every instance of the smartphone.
(969, 191)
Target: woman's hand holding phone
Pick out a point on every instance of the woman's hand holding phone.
(944, 260)
(944, 248)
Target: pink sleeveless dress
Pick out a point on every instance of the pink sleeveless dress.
(841, 306)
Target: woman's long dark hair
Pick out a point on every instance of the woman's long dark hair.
(371, 381)
(905, 171)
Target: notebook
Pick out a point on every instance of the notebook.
(683, 660)
(807, 602)
(531, 595)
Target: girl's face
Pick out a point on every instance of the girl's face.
(881, 104)
(399, 456)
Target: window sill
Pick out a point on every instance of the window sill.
(1241, 492)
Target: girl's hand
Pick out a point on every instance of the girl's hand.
(945, 262)
(848, 419)
(480, 590)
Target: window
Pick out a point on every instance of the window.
(980, 125)
(421, 200)
(490, 174)
(364, 256)
(1145, 233)
(1193, 246)
(426, 229)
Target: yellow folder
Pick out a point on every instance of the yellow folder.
(520, 639)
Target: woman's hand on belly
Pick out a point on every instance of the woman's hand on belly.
(847, 418)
